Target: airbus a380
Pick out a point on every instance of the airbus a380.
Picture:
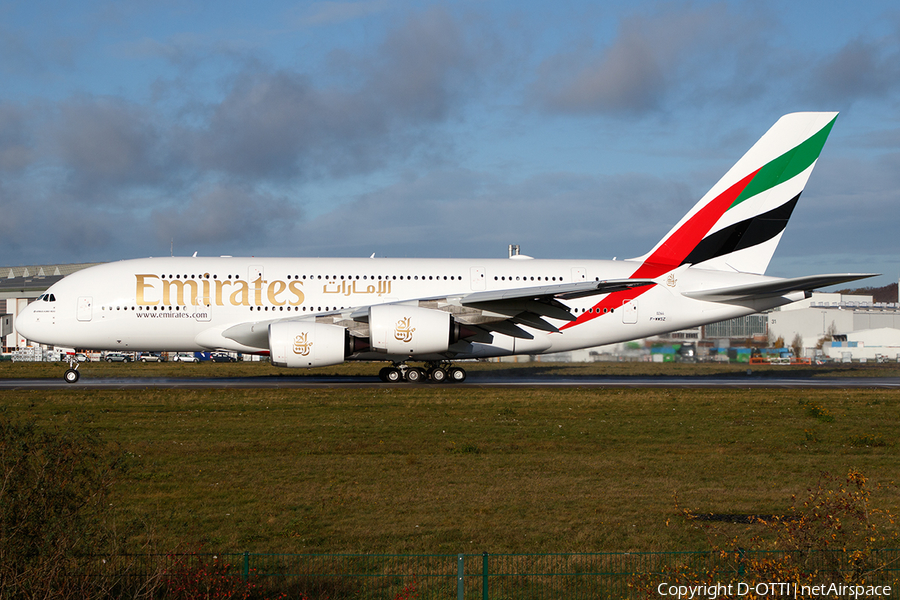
(311, 312)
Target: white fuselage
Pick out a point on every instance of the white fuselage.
(185, 304)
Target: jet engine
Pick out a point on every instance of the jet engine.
(308, 344)
(411, 331)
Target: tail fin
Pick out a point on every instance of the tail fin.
(739, 222)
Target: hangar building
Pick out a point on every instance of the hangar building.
(18, 287)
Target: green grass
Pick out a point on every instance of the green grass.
(450, 469)
(50, 370)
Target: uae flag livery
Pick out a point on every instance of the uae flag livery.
(737, 225)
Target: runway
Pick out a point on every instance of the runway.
(475, 379)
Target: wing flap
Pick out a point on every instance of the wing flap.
(530, 306)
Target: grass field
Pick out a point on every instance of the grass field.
(51, 370)
(453, 468)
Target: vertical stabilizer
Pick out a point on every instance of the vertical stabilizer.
(737, 225)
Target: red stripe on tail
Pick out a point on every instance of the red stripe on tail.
(671, 252)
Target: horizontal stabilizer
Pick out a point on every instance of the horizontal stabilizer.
(775, 287)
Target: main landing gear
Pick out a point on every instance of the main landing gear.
(434, 372)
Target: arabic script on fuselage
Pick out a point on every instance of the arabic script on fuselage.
(348, 288)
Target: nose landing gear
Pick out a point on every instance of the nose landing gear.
(71, 375)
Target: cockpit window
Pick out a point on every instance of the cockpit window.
(47, 298)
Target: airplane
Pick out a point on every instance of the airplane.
(313, 312)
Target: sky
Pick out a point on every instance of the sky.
(575, 129)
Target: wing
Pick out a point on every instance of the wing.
(480, 312)
(776, 287)
(504, 310)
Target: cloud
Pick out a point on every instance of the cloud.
(105, 143)
(845, 220)
(652, 60)
(53, 228)
(220, 215)
(459, 212)
(329, 13)
(864, 68)
(282, 124)
(16, 145)
(116, 177)
(26, 54)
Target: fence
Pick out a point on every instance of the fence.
(474, 576)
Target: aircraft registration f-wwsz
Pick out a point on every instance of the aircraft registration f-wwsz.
(311, 312)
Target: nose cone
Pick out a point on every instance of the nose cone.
(25, 323)
(32, 325)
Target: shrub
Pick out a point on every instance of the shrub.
(832, 535)
(53, 510)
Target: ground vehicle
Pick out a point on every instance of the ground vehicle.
(186, 357)
(117, 357)
(222, 357)
(151, 357)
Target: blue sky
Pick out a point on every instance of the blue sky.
(432, 129)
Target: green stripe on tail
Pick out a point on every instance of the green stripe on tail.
(788, 165)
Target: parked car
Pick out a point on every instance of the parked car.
(222, 357)
(186, 357)
(117, 357)
(151, 357)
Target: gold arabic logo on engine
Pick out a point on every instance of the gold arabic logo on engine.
(301, 345)
(404, 330)
(670, 280)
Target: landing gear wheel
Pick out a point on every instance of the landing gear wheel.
(71, 376)
(437, 375)
(456, 374)
(415, 375)
(390, 375)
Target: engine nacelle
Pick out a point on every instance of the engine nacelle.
(302, 344)
(409, 330)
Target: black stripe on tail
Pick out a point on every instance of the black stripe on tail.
(745, 234)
